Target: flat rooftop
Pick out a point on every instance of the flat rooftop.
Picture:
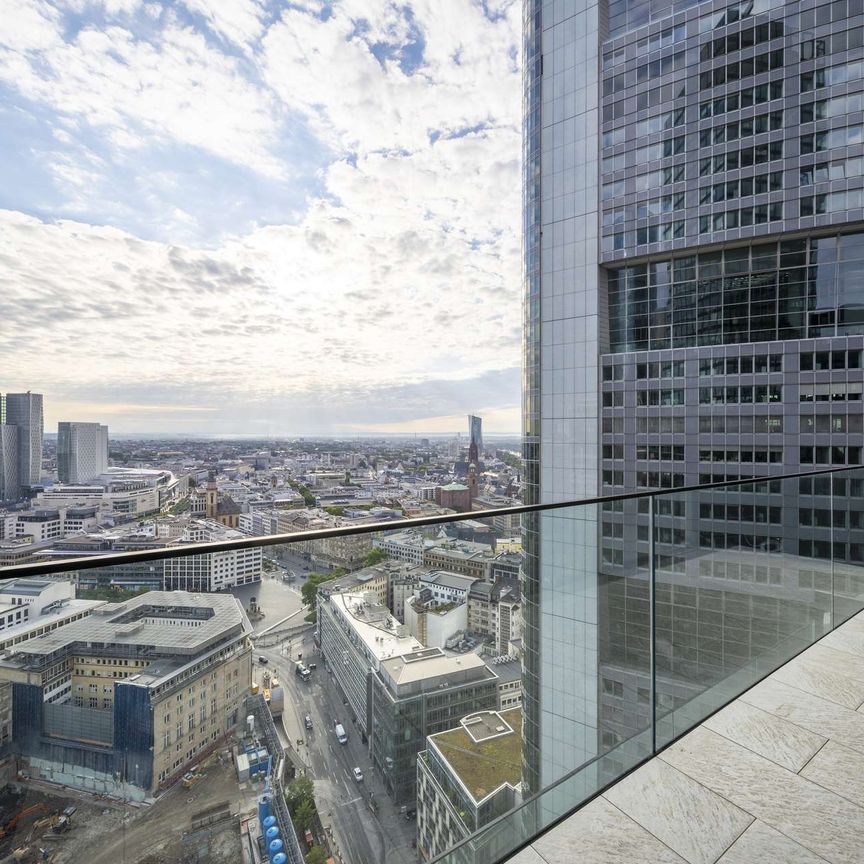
(430, 663)
(484, 751)
(167, 622)
(382, 634)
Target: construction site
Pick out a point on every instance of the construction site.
(196, 821)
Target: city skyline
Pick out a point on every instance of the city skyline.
(181, 225)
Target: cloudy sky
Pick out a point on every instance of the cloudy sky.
(271, 218)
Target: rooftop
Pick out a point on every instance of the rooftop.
(167, 622)
(484, 751)
(383, 636)
(776, 776)
(427, 664)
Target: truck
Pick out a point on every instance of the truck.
(301, 671)
(341, 735)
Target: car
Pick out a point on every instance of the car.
(410, 814)
(358, 775)
(312, 666)
(308, 721)
(263, 660)
(190, 779)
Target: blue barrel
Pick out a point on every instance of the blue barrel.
(264, 812)
(272, 833)
(268, 821)
(279, 858)
(275, 848)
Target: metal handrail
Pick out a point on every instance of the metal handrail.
(185, 550)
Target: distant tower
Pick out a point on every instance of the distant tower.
(82, 451)
(475, 438)
(211, 497)
(24, 410)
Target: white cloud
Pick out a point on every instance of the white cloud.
(403, 273)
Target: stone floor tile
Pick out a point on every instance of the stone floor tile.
(766, 734)
(814, 817)
(834, 675)
(762, 844)
(600, 833)
(689, 818)
(839, 769)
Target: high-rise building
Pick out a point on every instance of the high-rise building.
(82, 451)
(24, 410)
(694, 302)
(475, 438)
(9, 486)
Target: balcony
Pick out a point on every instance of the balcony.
(721, 629)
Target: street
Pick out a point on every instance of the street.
(362, 837)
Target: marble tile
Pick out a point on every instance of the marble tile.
(819, 820)
(600, 833)
(834, 675)
(692, 820)
(527, 856)
(766, 734)
(761, 844)
(809, 712)
(847, 637)
(839, 769)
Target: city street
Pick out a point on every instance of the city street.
(362, 837)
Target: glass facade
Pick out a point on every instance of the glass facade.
(725, 263)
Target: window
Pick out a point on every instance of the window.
(743, 158)
(658, 233)
(818, 142)
(832, 75)
(837, 107)
(655, 179)
(813, 205)
(741, 129)
(740, 69)
(743, 218)
(746, 186)
(745, 98)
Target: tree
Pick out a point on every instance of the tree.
(304, 815)
(375, 556)
(317, 855)
(297, 792)
(309, 589)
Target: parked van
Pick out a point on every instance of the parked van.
(341, 737)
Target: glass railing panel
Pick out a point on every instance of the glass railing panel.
(847, 542)
(744, 587)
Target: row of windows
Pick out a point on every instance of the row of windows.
(654, 97)
(653, 234)
(744, 68)
(839, 106)
(743, 128)
(740, 365)
(830, 455)
(761, 394)
(644, 182)
(834, 392)
(644, 209)
(745, 98)
(663, 39)
(758, 185)
(839, 74)
(759, 214)
(821, 518)
(833, 485)
(719, 476)
(758, 513)
(736, 12)
(811, 423)
(661, 452)
(844, 40)
(645, 72)
(831, 202)
(664, 397)
(762, 456)
(842, 169)
(821, 360)
(743, 158)
(723, 424)
(649, 153)
(830, 550)
(658, 480)
(742, 39)
(818, 142)
(658, 424)
(836, 10)
(666, 369)
(725, 540)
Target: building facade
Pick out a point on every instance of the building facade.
(82, 451)
(24, 410)
(10, 488)
(124, 701)
(693, 291)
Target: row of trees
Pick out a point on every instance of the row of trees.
(300, 800)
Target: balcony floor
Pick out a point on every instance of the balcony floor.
(776, 776)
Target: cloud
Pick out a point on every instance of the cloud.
(378, 282)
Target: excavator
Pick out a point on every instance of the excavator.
(10, 826)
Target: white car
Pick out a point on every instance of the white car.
(358, 775)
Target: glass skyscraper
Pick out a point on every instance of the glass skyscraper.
(694, 304)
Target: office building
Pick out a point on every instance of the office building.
(475, 439)
(10, 488)
(466, 777)
(125, 700)
(694, 304)
(24, 411)
(82, 451)
(396, 690)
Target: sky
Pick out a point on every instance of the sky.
(262, 218)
